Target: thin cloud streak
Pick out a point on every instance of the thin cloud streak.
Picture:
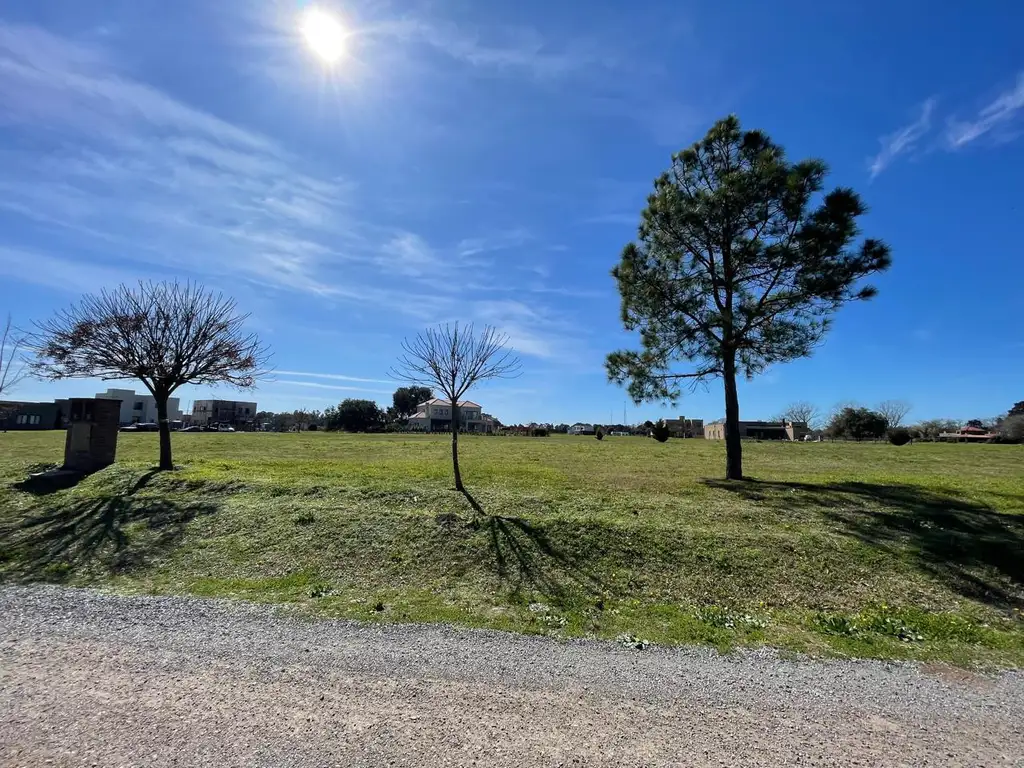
(999, 113)
(513, 49)
(334, 377)
(904, 140)
(335, 387)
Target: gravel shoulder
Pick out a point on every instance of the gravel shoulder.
(92, 679)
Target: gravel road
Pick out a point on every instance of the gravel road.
(97, 680)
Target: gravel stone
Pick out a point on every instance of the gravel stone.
(91, 679)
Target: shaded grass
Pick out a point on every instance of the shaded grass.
(562, 536)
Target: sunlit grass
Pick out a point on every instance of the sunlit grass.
(602, 538)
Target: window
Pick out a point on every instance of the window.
(138, 405)
(34, 419)
(21, 418)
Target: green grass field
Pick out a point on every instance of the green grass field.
(834, 549)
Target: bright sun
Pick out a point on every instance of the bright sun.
(324, 34)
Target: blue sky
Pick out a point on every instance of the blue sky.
(486, 162)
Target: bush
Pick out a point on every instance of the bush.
(599, 434)
(1012, 429)
(539, 432)
(899, 436)
(857, 424)
(660, 431)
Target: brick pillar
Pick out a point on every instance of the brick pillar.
(91, 442)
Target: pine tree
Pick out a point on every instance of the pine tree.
(739, 263)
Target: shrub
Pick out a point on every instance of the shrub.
(899, 436)
(539, 432)
(660, 431)
(857, 424)
(599, 434)
(1012, 429)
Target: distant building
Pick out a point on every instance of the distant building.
(435, 415)
(232, 413)
(762, 430)
(140, 409)
(17, 415)
(582, 429)
(969, 434)
(685, 427)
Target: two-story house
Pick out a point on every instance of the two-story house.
(140, 409)
(238, 414)
(435, 415)
(581, 429)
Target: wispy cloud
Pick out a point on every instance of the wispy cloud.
(996, 119)
(497, 241)
(999, 113)
(335, 387)
(904, 140)
(333, 377)
(73, 277)
(616, 219)
(516, 49)
(118, 160)
(409, 254)
(137, 183)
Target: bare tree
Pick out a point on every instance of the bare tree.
(802, 411)
(451, 360)
(894, 412)
(12, 367)
(163, 334)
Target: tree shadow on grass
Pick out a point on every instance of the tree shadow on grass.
(972, 548)
(527, 559)
(117, 531)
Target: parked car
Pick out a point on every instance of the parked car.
(141, 427)
(193, 428)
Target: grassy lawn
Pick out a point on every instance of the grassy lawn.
(835, 549)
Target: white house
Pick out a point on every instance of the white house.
(581, 429)
(435, 415)
(139, 409)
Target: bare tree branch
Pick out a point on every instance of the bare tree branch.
(803, 411)
(12, 367)
(894, 412)
(164, 334)
(451, 359)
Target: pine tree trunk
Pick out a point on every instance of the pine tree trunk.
(455, 447)
(165, 432)
(733, 443)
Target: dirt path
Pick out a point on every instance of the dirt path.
(110, 681)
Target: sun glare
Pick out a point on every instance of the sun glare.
(324, 35)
